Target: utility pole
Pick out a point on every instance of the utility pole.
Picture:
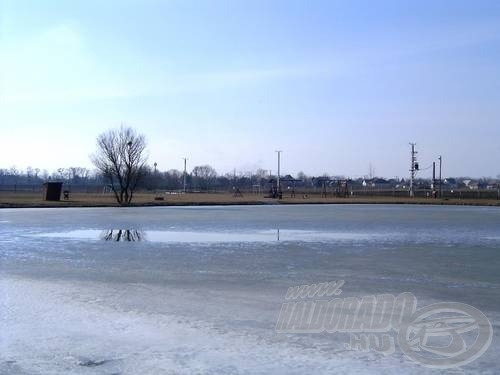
(440, 180)
(434, 179)
(371, 171)
(185, 174)
(413, 168)
(278, 179)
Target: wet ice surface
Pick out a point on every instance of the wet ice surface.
(210, 237)
(202, 291)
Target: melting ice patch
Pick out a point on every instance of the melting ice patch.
(492, 238)
(220, 236)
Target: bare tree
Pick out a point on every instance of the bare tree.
(121, 158)
(204, 175)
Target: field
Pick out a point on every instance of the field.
(35, 199)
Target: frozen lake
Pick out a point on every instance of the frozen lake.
(181, 290)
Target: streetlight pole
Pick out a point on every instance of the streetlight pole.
(155, 179)
(185, 173)
(440, 180)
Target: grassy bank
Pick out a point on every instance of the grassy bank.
(28, 199)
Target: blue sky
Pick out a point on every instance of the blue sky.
(335, 85)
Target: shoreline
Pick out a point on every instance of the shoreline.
(251, 202)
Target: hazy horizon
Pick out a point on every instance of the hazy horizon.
(335, 85)
(422, 174)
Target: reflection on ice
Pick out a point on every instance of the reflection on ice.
(271, 235)
(202, 290)
(127, 235)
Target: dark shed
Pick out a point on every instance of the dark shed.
(53, 191)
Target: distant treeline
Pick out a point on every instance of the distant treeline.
(205, 178)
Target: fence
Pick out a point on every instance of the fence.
(492, 194)
(38, 188)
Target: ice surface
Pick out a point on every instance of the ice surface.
(224, 236)
(202, 293)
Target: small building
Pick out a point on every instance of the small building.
(52, 191)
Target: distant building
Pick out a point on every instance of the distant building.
(450, 183)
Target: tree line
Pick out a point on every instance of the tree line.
(200, 178)
(121, 164)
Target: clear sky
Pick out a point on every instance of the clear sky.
(336, 85)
